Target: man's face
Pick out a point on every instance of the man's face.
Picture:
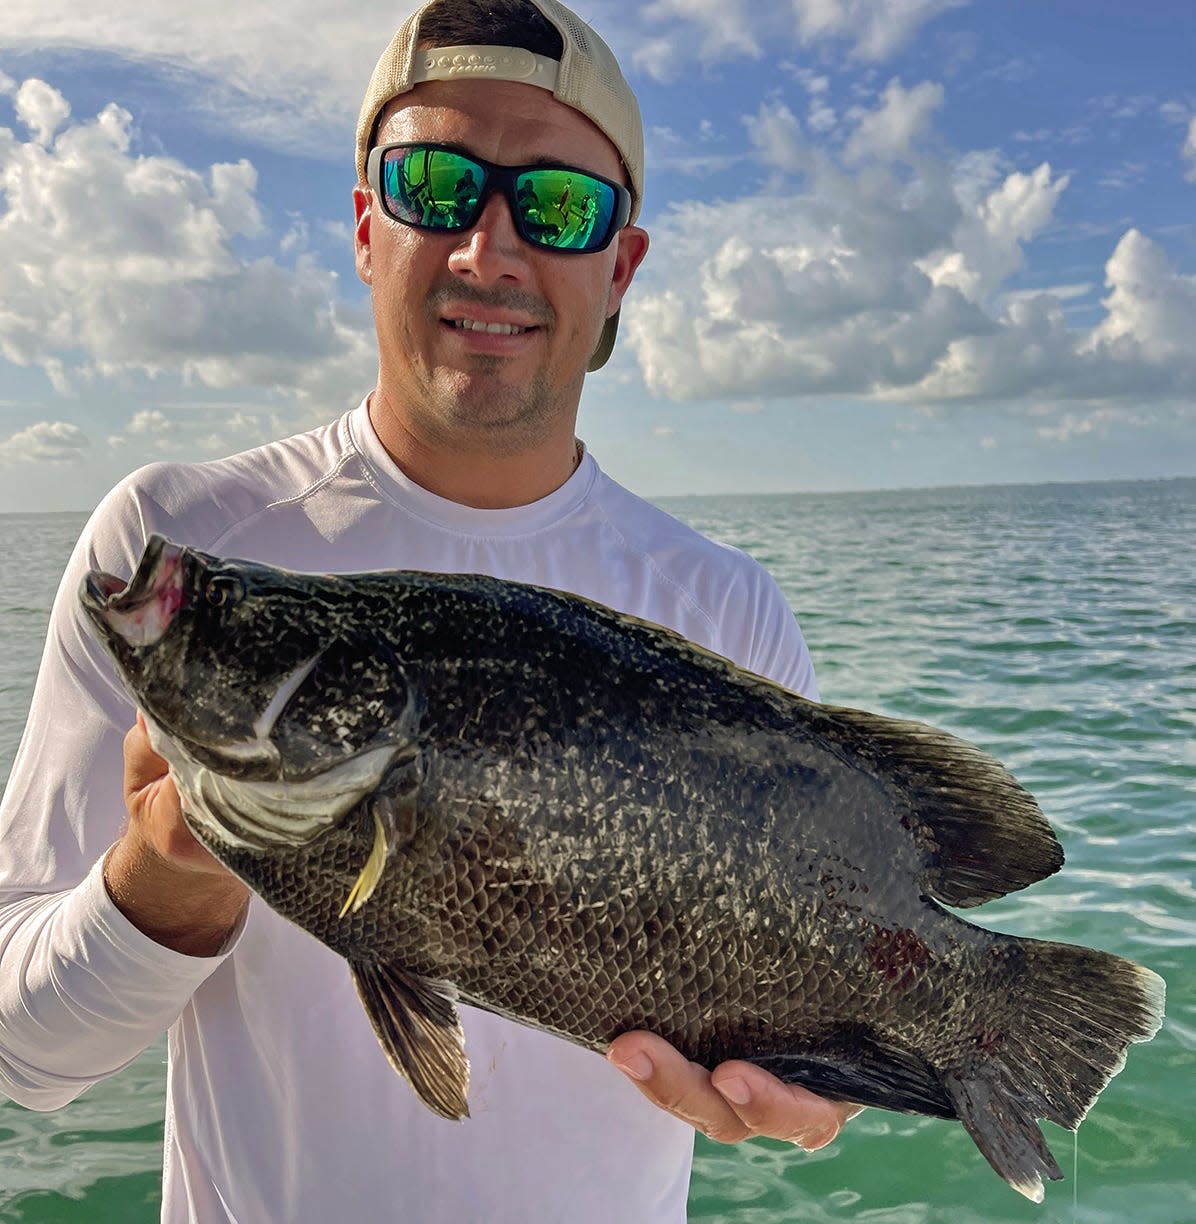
(446, 380)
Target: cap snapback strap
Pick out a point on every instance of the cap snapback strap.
(485, 63)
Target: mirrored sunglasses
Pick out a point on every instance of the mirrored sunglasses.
(559, 208)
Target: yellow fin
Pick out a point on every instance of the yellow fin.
(371, 873)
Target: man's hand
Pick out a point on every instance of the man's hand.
(155, 814)
(735, 1101)
(158, 875)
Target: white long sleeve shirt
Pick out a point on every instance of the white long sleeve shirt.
(280, 1104)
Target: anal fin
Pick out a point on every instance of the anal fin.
(853, 1064)
(1005, 1131)
(415, 1020)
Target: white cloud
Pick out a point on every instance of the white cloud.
(833, 300)
(876, 28)
(821, 118)
(115, 262)
(1141, 350)
(1151, 308)
(891, 281)
(657, 58)
(1074, 425)
(776, 133)
(42, 109)
(814, 82)
(1026, 351)
(668, 150)
(339, 232)
(987, 244)
(665, 36)
(1062, 293)
(150, 421)
(714, 30)
(724, 26)
(233, 200)
(45, 442)
(252, 72)
(1127, 175)
(889, 132)
(266, 79)
(1189, 151)
(195, 430)
(825, 312)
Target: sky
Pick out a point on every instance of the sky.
(895, 243)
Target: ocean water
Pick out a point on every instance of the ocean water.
(1055, 626)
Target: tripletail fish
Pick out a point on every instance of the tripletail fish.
(489, 792)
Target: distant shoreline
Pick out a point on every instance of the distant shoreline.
(1135, 481)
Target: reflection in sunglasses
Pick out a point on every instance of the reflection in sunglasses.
(561, 208)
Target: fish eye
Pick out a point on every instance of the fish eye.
(223, 591)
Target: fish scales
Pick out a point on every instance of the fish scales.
(488, 791)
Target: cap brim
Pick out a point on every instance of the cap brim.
(606, 344)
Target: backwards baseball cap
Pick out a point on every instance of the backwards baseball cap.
(586, 77)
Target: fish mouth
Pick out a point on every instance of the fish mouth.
(140, 611)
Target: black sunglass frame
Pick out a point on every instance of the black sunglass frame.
(502, 179)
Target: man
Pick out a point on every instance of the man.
(280, 1104)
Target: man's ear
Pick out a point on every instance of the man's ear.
(632, 247)
(363, 209)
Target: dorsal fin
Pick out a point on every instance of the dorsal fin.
(984, 832)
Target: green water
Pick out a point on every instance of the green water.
(1053, 625)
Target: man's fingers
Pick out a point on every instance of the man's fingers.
(142, 764)
(154, 808)
(737, 1101)
(671, 1081)
(777, 1110)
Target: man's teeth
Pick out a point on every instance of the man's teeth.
(496, 329)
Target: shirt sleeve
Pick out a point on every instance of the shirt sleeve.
(759, 631)
(82, 991)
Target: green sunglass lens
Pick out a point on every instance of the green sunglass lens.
(434, 188)
(431, 188)
(564, 208)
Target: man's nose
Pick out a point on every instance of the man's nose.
(491, 250)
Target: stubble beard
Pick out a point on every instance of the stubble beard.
(480, 399)
(507, 418)
(477, 405)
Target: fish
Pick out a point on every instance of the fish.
(488, 792)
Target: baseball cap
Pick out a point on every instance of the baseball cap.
(587, 77)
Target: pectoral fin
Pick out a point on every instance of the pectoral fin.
(394, 812)
(415, 1019)
(371, 873)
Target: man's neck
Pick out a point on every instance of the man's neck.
(471, 474)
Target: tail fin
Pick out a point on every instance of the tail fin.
(1080, 1011)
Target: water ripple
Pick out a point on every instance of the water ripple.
(1053, 626)
(1056, 628)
